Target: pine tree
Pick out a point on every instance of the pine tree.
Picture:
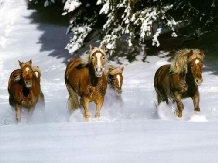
(136, 19)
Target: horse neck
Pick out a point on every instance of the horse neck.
(189, 78)
(94, 80)
(25, 90)
(109, 81)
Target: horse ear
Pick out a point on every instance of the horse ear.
(30, 61)
(110, 69)
(190, 53)
(20, 63)
(122, 68)
(103, 47)
(91, 47)
(202, 52)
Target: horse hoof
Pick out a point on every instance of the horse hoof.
(178, 113)
(86, 118)
(197, 113)
(97, 117)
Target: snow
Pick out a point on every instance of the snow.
(79, 35)
(105, 8)
(136, 132)
(71, 5)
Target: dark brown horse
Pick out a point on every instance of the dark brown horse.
(84, 79)
(180, 79)
(24, 89)
(114, 75)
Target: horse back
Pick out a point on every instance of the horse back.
(71, 65)
(162, 78)
(167, 83)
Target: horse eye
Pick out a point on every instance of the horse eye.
(92, 58)
(103, 57)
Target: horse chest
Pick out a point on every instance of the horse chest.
(29, 101)
(95, 91)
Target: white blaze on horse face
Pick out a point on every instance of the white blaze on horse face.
(98, 55)
(37, 74)
(118, 78)
(27, 70)
(197, 61)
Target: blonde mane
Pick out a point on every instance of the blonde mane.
(115, 70)
(37, 71)
(86, 57)
(182, 57)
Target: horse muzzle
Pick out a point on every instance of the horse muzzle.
(198, 81)
(28, 84)
(98, 72)
(118, 91)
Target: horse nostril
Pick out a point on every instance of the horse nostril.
(98, 69)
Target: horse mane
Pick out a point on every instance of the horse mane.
(37, 71)
(87, 56)
(179, 63)
(36, 68)
(115, 70)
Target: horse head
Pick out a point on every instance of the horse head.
(97, 59)
(195, 65)
(26, 73)
(115, 78)
(37, 71)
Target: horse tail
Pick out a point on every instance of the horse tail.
(161, 83)
(41, 101)
(73, 100)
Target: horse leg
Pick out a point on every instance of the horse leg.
(85, 103)
(121, 101)
(99, 103)
(179, 103)
(18, 115)
(158, 99)
(30, 113)
(41, 100)
(196, 100)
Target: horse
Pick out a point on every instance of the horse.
(24, 89)
(114, 75)
(16, 76)
(85, 80)
(180, 79)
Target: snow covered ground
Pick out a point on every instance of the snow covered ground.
(135, 133)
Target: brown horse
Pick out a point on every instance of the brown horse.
(24, 89)
(114, 75)
(84, 79)
(16, 76)
(180, 79)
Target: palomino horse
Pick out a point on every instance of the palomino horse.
(180, 79)
(114, 75)
(85, 79)
(24, 89)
